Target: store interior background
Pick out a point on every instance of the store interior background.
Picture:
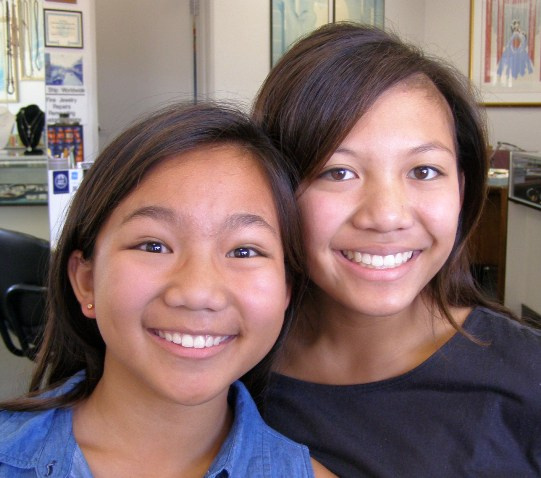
(145, 59)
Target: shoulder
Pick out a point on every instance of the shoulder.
(252, 445)
(36, 441)
(509, 351)
(499, 329)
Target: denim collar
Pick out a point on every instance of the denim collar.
(44, 440)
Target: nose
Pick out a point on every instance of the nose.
(196, 283)
(384, 206)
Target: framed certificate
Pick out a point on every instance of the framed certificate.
(63, 28)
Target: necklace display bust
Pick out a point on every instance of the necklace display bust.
(30, 122)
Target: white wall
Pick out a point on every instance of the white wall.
(144, 57)
(235, 50)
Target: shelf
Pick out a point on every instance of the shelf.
(23, 179)
(18, 161)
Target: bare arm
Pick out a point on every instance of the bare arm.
(320, 471)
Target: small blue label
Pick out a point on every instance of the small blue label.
(61, 184)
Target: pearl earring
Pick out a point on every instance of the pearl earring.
(89, 306)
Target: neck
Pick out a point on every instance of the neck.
(123, 433)
(346, 347)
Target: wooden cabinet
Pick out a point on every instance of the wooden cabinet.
(489, 242)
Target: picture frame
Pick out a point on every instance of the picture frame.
(371, 12)
(505, 51)
(63, 28)
(291, 19)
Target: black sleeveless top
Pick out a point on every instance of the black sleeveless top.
(468, 411)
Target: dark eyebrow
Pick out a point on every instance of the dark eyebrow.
(425, 148)
(234, 221)
(237, 221)
(422, 148)
(153, 212)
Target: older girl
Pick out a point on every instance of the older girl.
(398, 366)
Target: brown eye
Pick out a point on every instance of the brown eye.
(243, 253)
(339, 174)
(154, 247)
(424, 173)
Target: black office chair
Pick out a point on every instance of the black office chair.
(24, 264)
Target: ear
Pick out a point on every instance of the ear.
(81, 277)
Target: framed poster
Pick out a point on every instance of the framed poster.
(370, 12)
(505, 51)
(292, 19)
(63, 28)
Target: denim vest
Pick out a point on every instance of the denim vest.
(41, 444)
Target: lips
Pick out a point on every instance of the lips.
(374, 261)
(192, 341)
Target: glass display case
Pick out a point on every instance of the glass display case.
(525, 178)
(23, 179)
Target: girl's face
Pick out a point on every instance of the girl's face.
(380, 220)
(187, 279)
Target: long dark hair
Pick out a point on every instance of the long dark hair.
(320, 88)
(71, 341)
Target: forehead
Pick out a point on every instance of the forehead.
(414, 107)
(205, 181)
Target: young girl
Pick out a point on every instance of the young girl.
(398, 366)
(176, 263)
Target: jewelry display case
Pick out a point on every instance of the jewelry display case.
(23, 179)
(525, 179)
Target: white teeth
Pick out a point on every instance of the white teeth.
(378, 262)
(199, 342)
(187, 341)
(192, 341)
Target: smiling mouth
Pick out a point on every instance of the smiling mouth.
(192, 341)
(373, 261)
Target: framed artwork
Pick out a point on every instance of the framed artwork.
(370, 12)
(63, 28)
(505, 51)
(292, 19)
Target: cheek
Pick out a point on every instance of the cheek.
(265, 300)
(121, 283)
(441, 217)
(321, 218)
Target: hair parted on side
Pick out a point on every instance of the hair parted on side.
(71, 341)
(329, 79)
